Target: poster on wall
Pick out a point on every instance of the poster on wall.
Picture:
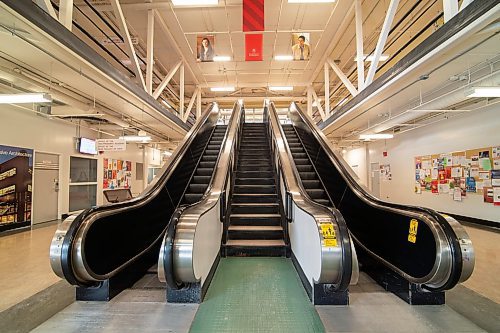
(205, 46)
(301, 46)
(385, 172)
(16, 179)
(117, 174)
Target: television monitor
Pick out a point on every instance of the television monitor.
(87, 146)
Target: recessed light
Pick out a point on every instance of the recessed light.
(310, 1)
(195, 2)
(25, 98)
(375, 136)
(483, 92)
(222, 58)
(283, 57)
(135, 138)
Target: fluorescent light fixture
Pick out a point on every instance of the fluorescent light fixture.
(25, 98)
(310, 1)
(222, 58)
(366, 57)
(167, 153)
(135, 138)
(375, 136)
(195, 2)
(283, 57)
(483, 92)
(216, 89)
(283, 88)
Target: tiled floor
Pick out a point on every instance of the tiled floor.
(24, 265)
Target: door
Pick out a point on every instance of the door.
(375, 179)
(46, 187)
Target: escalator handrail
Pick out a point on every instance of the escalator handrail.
(294, 187)
(190, 215)
(65, 238)
(456, 270)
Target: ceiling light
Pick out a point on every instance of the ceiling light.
(483, 92)
(222, 89)
(167, 153)
(195, 2)
(222, 58)
(284, 88)
(375, 136)
(283, 57)
(366, 57)
(25, 98)
(135, 138)
(310, 1)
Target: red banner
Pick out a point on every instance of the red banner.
(253, 47)
(253, 15)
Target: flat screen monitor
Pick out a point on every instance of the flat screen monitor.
(87, 146)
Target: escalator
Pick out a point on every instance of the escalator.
(105, 249)
(418, 245)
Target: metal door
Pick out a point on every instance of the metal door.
(45, 187)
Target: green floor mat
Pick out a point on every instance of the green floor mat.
(256, 295)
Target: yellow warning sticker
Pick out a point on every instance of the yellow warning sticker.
(329, 236)
(412, 233)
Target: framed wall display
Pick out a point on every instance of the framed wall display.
(472, 171)
(205, 46)
(301, 46)
(16, 181)
(117, 174)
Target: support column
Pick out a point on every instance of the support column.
(181, 91)
(150, 52)
(359, 46)
(198, 103)
(309, 101)
(66, 13)
(450, 9)
(386, 27)
(327, 90)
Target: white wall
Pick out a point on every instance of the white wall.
(22, 128)
(356, 158)
(473, 130)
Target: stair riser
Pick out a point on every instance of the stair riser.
(254, 174)
(254, 189)
(271, 251)
(255, 168)
(255, 181)
(274, 221)
(238, 234)
(255, 199)
(236, 209)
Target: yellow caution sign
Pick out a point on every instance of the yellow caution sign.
(329, 236)
(412, 233)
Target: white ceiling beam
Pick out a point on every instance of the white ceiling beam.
(46, 5)
(66, 13)
(318, 104)
(253, 98)
(465, 3)
(166, 80)
(327, 89)
(359, 45)
(122, 24)
(450, 9)
(309, 102)
(150, 51)
(345, 80)
(173, 44)
(181, 91)
(198, 103)
(190, 105)
(386, 27)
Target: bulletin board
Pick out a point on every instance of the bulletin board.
(117, 174)
(461, 173)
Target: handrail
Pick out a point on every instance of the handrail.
(67, 248)
(176, 263)
(455, 256)
(337, 262)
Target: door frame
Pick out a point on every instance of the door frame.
(59, 173)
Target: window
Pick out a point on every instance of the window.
(82, 183)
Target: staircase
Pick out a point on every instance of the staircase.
(255, 223)
(310, 180)
(205, 169)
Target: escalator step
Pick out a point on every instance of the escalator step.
(204, 171)
(324, 202)
(197, 188)
(211, 152)
(190, 198)
(254, 189)
(255, 208)
(254, 174)
(316, 193)
(254, 198)
(255, 219)
(307, 175)
(303, 168)
(299, 155)
(204, 164)
(311, 184)
(302, 161)
(201, 179)
(255, 168)
(207, 158)
(255, 181)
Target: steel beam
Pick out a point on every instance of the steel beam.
(150, 52)
(122, 24)
(181, 90)
(386, 27)
(359, 46)
(190, 105)
(166, 80)
(345, 80)
(198, 103)
(318, 104)
(327, 89)
(450, 9)
(309, 102)
(66, 13)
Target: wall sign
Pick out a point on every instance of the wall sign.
(111, 145)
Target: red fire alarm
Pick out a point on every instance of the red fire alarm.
(384, 153)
